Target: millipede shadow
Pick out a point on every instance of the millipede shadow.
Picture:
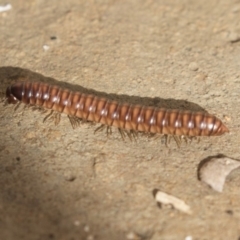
(10, 75)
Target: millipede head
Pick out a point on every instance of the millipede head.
(10, 97)
(13, 94)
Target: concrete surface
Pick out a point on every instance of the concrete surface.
(59, 183)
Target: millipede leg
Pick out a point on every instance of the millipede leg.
(45, 111)
(177, 140)
(129, 135)
(48, 116)
(100, 128)
(17, 106)
(109, 131)
(167, 139)
(163, 139)
(198, 139)
(75, 121)
(184, 138)
(134, 134)
(71, 121)
(152, 135)
(122, 133)
(156, 136)
(57, 118)
(26, 106)
(38, 108)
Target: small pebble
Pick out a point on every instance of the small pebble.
(164, 198)
(86, 228)
(76, 223)
(234, 37)
(132, 236)
(53, 37)
(188, 238)
(215, 171)
(90, 237)
(201, 77)
(230, 212)
(45, 47)
(4, 8)
(236, 9)
(69, 176)
(193, 66)
(227, 118)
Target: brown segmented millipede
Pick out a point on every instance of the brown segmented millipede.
(124, 116)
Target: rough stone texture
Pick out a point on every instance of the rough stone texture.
(56, 182)
(214, 171)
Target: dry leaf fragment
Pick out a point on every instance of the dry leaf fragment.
(177, 203)
(215, 171)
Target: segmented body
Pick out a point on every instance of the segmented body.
(112, 113)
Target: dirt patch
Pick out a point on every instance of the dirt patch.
(60, 183)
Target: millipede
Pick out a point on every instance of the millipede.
(129, 118)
